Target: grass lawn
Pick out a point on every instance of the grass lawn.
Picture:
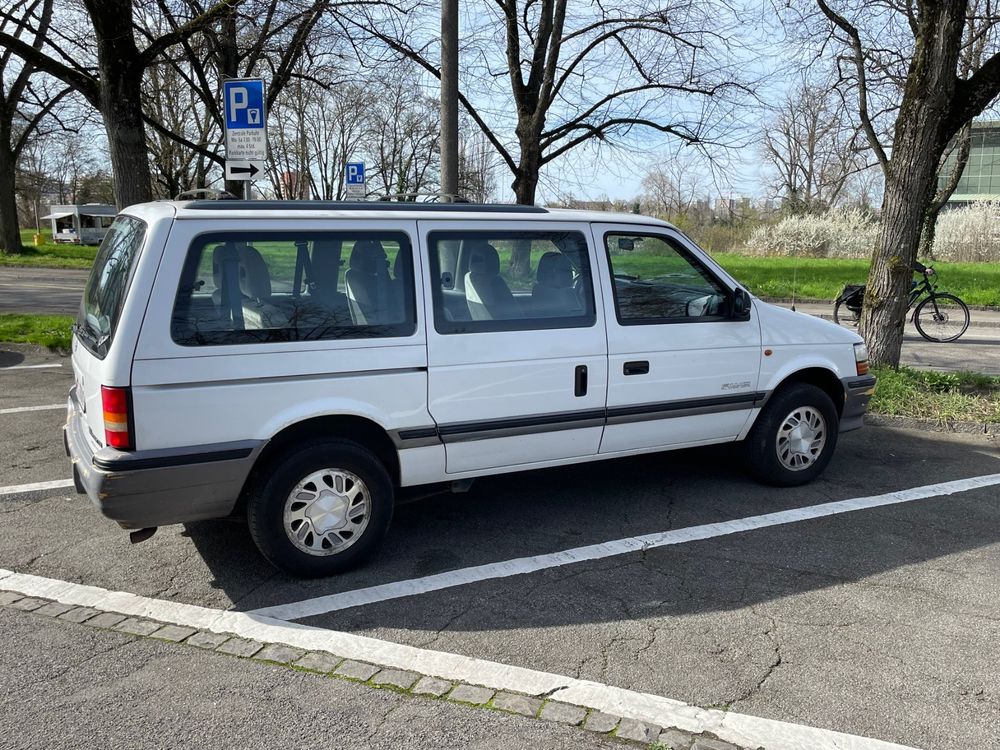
(53, 331)
(823, 278)
(49, 255)
(938, 396)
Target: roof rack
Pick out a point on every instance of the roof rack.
(284, 205)
(205, 194)
(427, 197)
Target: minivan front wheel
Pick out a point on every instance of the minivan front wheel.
(794, 436)
(322, 509)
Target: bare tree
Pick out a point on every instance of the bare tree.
(477, 164)
(544, 77)
(26, 102)
(814, 148)
(916, 45)
(675, 183)
(272, 39)
(336, 134)
(112, 82)
(403, 138)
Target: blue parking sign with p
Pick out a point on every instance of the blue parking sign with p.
(355, 173)
(244, 104)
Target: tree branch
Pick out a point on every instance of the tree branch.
(859, 63)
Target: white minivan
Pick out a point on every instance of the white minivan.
(299, 362)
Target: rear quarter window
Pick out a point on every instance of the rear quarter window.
(104, 294)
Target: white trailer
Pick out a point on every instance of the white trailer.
(81, 225)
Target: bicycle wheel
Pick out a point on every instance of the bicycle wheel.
(844, 316)
(941, 317)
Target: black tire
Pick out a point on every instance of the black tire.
(762, 444)
(270, 496)
(844, 316)
(941, 317)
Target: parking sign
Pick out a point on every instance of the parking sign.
(245, 120)
(354, 179)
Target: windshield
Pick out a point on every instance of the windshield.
(105, 291)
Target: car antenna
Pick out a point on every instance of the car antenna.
(795, 280)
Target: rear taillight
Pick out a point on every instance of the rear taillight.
(116, 417)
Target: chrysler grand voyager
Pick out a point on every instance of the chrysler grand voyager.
(297, 363)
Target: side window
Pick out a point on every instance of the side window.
(510, 281)
(657, 281)
(249, 287)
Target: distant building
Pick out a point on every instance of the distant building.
(980, 181)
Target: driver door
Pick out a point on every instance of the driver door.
(682, 369)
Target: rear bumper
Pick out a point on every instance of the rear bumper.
(141, 489)
(858, 391)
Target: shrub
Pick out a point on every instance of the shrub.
(969, 235)
(836, 234)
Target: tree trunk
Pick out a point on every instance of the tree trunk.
(121, 70)
(928, 232)
(525, 184)
(229, 68)
(121, 109)
(920, 138)
(10, 231)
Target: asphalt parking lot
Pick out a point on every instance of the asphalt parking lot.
(881, 622)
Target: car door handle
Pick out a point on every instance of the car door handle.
(636, 368)
(580, 381)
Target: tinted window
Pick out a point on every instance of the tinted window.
(656, 280)
(104, 294)
(247, 287)
(507, 281)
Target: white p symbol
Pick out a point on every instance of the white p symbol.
(238, 99)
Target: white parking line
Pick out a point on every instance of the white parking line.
(19, 409)
(31, 367)
(740, 729)
(344, 600)
(19, 489)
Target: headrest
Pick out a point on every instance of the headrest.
(484, 259)
(217, 259)
(555, 270)
(325, 261)
(397, 265)
(368, 256)
(255, 281)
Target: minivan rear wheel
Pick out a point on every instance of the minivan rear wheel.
(321, 509)
(794, 437)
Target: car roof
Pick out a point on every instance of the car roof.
(261, 209)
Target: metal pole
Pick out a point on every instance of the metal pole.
(449, 97)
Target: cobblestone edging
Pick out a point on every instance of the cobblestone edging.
(405, 682)
(913, 423)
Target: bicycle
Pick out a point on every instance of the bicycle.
(940, 316)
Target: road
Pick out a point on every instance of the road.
(879, 622)
(57, 291)
(52, 291)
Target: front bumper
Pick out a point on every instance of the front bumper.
(142, 489)
(858, 391)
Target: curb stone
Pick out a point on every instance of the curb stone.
(426, 687)
(914, 423)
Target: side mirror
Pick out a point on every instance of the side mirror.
(741, 303)
(626, 244)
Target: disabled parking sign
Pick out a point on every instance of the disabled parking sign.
(245, 120)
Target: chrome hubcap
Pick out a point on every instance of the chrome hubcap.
(327, 512)
(801, 438)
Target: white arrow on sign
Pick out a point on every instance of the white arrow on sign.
(243, 170)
